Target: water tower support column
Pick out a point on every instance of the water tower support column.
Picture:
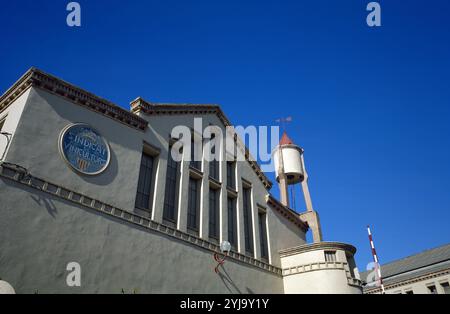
(310, 216)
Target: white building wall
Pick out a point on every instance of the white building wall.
(305, 270)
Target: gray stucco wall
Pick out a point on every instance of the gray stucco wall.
(35, 146)
(40, 235)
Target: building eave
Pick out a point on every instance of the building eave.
(318, 246)
(287, 213)
(49, 83)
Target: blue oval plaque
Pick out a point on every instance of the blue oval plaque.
(84, 149)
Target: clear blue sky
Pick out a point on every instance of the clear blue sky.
(371, 107)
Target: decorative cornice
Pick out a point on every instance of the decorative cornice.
(321, 266)
(141, 105)
(149, 108)
(374, 290)
(318, 246)
(288, 213)
(306, 268)
(39, 79)
(19, 175)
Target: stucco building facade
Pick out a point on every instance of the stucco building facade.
(144, 223)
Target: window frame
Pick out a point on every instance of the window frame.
(263, 238)
(193, 212)
(214, 221)
(195, 164)
(430, 287)
(231, 175)
(329, 253)
(247, 209)
(214, 165)
(232, 235)
(445, 285)
(173, 189)
(151, 188)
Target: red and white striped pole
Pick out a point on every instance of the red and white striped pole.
(376, 261)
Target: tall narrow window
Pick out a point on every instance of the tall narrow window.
(193, 204)
(232, 221)
(214, 164)
(248, 230)
(195, 163)
(170, 194)
(214, 214)
(263, 235)
(145, 184)
(230, 175)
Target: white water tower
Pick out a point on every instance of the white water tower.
(289, 166)
(290, 170)
(288, 161)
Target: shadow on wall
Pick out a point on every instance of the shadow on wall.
(105, 178)
(228, 281)
(48, 203)
(52, 205)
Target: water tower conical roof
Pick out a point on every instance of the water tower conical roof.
(285, 140)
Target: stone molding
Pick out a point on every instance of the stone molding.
(39, 79)
(306, 268)
(17, 174)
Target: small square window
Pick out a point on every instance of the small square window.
(432, 289)
(330, 256)
(409, 292)
(446, 287)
